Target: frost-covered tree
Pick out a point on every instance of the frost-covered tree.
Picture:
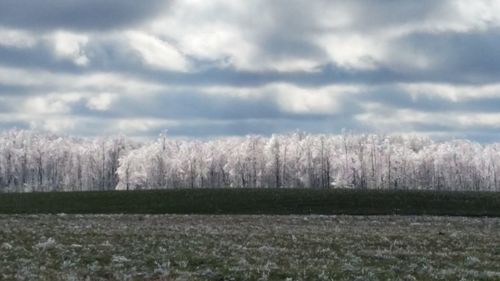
(31, 161)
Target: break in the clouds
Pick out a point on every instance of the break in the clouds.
(223, 67)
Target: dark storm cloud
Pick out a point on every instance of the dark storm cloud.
(76, 14)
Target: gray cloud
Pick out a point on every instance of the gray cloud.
(13, 90)
(183, 105)
(398, 98)
(374, 48)
(95, 15)
(376, 14)
(470, 57)
(38, 57)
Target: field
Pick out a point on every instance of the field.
(256, 201)
(250, 234)
(256, 247)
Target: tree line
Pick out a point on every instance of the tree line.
(32, 161)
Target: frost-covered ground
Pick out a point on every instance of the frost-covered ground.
(187, 247)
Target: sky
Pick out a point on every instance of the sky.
(200, 68)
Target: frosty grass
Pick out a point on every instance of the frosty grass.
(195, 247)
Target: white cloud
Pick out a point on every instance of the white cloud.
(70, 46)
(55, 125)
(16, 38)
(138, 125)
(353, 50)
(312, 101)
(452, 92)
(156, 52)
(390, 119)
(229, 33)
(478, 14)
(95, 81)
(295, 64)
(101, 102)
(51, 103)
(292, 98)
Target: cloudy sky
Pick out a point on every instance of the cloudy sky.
(222, 67)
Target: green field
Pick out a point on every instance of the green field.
(256, 201)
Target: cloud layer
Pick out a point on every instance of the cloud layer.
(222, 67)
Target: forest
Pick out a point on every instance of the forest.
(33, 161)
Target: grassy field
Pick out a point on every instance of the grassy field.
(256, 201)
(255, 247)
(148, 235)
